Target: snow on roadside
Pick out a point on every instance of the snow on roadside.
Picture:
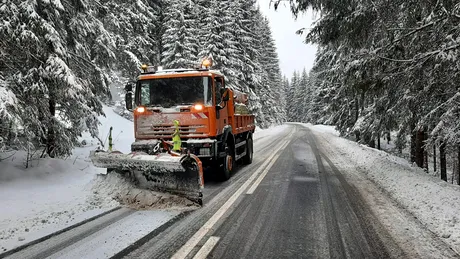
(46, 197)
(325, 129)
(272, 131)
(123, 130)
(53, 193)
(434, 202)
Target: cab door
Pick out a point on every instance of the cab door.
(221, 109)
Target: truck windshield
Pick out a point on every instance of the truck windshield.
(170, 92)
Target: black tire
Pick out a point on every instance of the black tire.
(228, 165)
(247, 159)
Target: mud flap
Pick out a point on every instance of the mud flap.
(180, 175)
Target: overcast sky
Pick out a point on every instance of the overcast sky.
(293, 53)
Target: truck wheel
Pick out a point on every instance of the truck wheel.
(228, 166)
(247, 159)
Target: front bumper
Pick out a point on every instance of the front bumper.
(202, 148)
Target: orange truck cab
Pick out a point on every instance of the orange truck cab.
(213, 120)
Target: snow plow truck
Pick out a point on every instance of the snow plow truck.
(185, 120)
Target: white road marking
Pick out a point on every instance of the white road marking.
(196, 238)
(264, 173)
(207, 248)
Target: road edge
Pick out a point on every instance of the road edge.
(126, 251)
(46, 237)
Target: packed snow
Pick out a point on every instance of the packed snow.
(118, 236)
(112, 187)
(434, 202)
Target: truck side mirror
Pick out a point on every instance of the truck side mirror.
(128, 87)
(129, 101)
(225, 95)
(129, 96)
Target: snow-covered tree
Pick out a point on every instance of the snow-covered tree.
(180, 44)
(387, 67)
(133, 28)
(54, 73)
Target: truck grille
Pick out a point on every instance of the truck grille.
(161, 131)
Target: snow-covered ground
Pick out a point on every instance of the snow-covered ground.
(434, 202)
(325, 129)
(52, 193)
(263, 133)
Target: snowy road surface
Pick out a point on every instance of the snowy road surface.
(100, 238)
(299, 199)
(307, 194)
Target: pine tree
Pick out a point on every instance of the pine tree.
(133, 26)
(57, 78)
(218, 43)
(292, 97)
(372, 79)
(271, 86)
(180, 43)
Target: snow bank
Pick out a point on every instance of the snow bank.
(48, 196)
(434, 202)
(114, 188)
(325, 129)
(273, 131)
(52, 193)
(122, 133)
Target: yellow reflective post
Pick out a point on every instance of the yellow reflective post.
(177, 143)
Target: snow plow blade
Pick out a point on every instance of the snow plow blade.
(180, 175)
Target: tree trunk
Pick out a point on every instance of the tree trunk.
(442, 154)
(369, 140)
(356, 109)
(372, 143)
(358, 136)
(413, 156)
(378, 142)
(419, 148)
(425, 151)
(454, 169)
(388, 137)
(51, 138)
(458, 165)
(434, 157)
(10, 133)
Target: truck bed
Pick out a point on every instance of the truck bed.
(243, 123)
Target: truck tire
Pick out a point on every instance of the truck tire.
(228, 165)
(247, 159)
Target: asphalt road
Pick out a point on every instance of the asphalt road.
(292, 202)
(301, 209)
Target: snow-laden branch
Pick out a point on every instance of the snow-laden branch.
(414, 31)
(420, 56)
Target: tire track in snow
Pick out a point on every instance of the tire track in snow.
(45, 238)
